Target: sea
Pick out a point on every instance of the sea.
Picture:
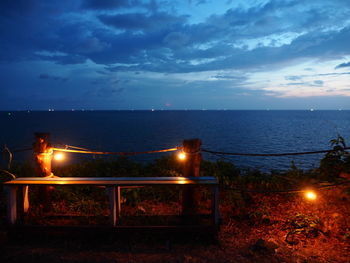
(239, 131)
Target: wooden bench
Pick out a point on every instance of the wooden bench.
(113, 186)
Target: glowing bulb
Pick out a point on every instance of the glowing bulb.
(182, 181)
(58, 156)
(310, 195)
(182, 156)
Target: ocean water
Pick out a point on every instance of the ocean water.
(231, 131)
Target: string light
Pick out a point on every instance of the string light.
(310, 195)
(182, 156)
(58, 156)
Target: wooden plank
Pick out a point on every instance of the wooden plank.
(121, 181)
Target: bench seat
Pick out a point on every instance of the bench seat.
(113, 185)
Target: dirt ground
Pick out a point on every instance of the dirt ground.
(258, 228)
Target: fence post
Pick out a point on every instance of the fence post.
(191, 168)
(42, 154)
(42, 158)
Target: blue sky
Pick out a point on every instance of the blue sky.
(190, 54)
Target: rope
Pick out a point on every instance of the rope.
(7, 172)
(75, 149)
(66, 146)
(10, 157)
(271, 154)
(16, 150)
(116, 153)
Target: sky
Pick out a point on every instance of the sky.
(174, 55)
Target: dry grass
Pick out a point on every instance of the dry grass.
(253, 230)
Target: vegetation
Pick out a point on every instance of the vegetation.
(261, 226)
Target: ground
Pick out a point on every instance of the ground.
(255, 228)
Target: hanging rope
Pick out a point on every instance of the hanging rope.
(115, 153)
(4, 151)
(10, 157)
(8, 173)
(271, 154)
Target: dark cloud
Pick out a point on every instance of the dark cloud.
(141, 21)
(293, 78)
(106, 92)
(315, 83)
(318, 82)
(296, 84)
(333, 74)
(107, 4)
(198, 2)
(231, 77)
(64, 59)
(104, 38)
(297, 79)
(165, 42)
(45, 76)
(343, 65)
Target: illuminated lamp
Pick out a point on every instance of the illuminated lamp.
(310, 195)
(181, 156)
(58, 156)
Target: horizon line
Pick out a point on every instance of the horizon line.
(89, 110)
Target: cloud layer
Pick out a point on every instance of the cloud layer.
(230, 45)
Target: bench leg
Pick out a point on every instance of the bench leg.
(118, 202)
(114, 203)
(25, 199)
(11, 192)
(215, 205)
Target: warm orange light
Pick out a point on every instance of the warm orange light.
(182, 156)
(182, 181)
(58, 156)
(310, 195)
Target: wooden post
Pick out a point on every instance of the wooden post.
(42, 154)
(191, 168)
(43, 157)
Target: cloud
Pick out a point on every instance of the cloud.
(343, 65)
(133, 38)
(293, 78)
(176, 39)
(106, 4)
(45, 76)
(166, 41)
(110, 91)
(92, 45)
(141, 21)
(318, 82)
(65, 59)
(315, 83)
